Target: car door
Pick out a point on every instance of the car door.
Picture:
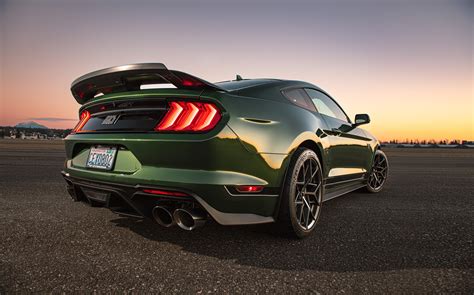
(349, 151)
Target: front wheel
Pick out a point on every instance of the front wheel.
(379, 173)
(301, 201)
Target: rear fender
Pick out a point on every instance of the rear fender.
(269, 127)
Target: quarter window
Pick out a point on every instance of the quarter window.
(325, 105)
(300, 98)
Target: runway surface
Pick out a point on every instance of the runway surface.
(415, 236)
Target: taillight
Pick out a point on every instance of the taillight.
(84, 117)
(188, 116)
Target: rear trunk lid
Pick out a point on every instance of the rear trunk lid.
(115, 99)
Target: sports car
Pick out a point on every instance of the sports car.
(171, 147)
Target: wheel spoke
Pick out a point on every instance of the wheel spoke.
(380, 182)
(312, 212)
(301, 213)
(306, 202)
(313, 202)
(372, 180)
(298, 194)
(311, 178)
(305, 171)
(317, 187)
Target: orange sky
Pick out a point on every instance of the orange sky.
(408, 64)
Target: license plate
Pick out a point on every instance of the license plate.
(101, 157)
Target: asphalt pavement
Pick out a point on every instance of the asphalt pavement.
(415, 236)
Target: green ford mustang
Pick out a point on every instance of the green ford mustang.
(163, 144)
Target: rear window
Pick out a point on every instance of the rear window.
(300, 98)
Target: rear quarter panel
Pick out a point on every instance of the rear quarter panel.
(273, 129)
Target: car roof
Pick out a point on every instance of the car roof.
(235, 85)
(263, 88)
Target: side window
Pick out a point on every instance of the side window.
(325, 105)
(299, 97)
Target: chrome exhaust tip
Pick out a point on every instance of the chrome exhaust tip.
(163, 216)
(189, 219)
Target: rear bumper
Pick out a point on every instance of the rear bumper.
(204, 166)
(130, 200)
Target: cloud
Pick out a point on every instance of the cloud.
(52, 119)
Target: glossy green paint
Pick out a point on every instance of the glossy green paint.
(190, 164)
(251, 145)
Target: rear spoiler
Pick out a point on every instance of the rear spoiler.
(130, 78)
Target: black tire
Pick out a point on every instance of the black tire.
(378, 173)
(301, 203)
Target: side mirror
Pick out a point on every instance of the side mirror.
(361, 119)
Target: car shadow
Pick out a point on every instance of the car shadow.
(346, 239)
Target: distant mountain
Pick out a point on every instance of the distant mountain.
(30, 124)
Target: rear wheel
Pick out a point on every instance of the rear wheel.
(379, 172)
(301, 201)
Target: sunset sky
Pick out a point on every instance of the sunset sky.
(409, 64)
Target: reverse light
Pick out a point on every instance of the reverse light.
(165, 193)
(83, 118)
(249, 188)
(189, 116)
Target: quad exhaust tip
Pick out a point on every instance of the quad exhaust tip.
(189, 219)
(163, 216)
